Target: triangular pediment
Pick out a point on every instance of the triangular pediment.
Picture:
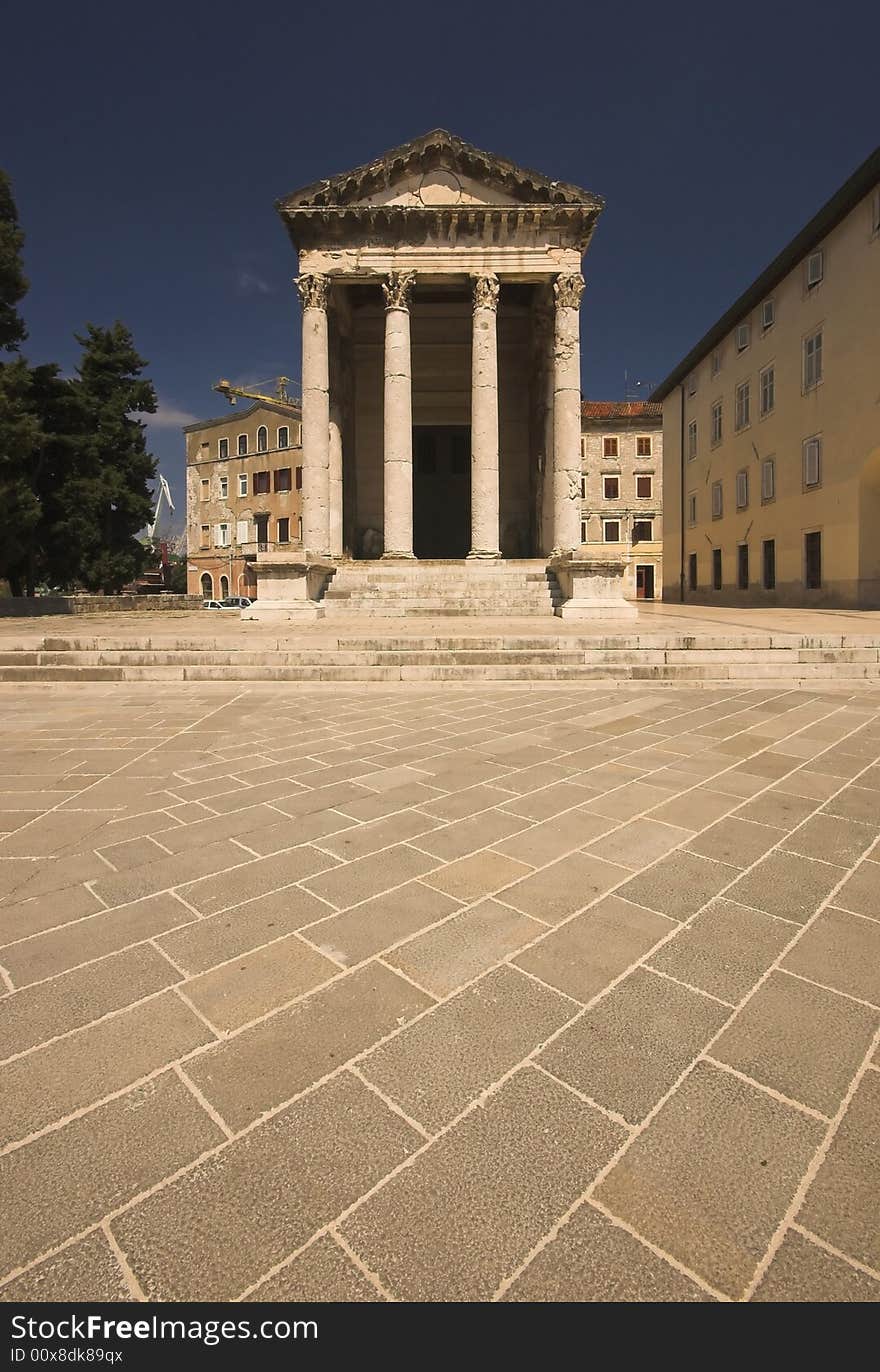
(436, 171)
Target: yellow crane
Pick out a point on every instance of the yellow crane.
(281, 395)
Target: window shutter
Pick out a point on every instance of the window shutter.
(241, 533)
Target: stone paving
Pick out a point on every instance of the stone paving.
(472, 994)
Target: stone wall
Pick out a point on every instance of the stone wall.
(32, 606)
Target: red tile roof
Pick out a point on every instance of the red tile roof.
(621, 409)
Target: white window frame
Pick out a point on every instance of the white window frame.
(813, 363)
(204, 535)
(242, 484)
(283, 429)
(610, 476)
(282, 520)
(204, 488)
(223, 449)
(742, 411)
(645, 438)
(644, 476)
(812, 461)
(262, 439)
(717, 422)
(768, 314)
(692, 383)
(742, 489)
(692, 508)
(222, 535)
(223, 487)
(605, 522)
(815, 269)
(610, 438)
(242, 531)
(767, 390)
(717, 499)
(743, 336)
(768, 480)
(643, 519)
(715, 366)
(241, 445)
(692, 441)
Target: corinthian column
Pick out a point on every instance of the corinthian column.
(315, 415)
(484, 420)
(567, 413)
(398, 416)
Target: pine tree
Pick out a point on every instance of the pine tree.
(20, 433)
(98, 498)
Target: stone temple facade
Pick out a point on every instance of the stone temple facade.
(441, 405)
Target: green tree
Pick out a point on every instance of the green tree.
(98, 497)
(20, 433)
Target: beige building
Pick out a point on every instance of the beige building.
(772, 426)
(622, 490)
(243, 495)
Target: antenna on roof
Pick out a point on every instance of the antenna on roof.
(635, 390)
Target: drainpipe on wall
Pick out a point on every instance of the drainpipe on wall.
(681, 493)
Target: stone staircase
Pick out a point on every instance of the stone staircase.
(432, 588)
(318, 656)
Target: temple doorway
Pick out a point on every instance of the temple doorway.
(441, 491)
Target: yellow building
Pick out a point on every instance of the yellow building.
(243, 494)
(771, 426)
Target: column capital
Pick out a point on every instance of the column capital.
(397, 289)
(313, 290)
(486, 292)
(568, 290)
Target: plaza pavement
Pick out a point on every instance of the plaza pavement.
(432, 994)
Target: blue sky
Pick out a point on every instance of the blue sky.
(148, 144)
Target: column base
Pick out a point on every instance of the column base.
(392, 556)
(484, 556)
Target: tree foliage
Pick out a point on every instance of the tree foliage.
(13, 283)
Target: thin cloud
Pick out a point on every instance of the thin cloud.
(169, 417)
(249, 283)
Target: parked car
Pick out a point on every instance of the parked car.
(236, 602)
(217, 605)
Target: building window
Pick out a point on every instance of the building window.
(223, 535)
(813, 561)
(262, 439)
(299, 523)
(205, 488)
(692, 509)
(611, 487)
(643, 531)
(207, 586)
(282, 479)
(242, 445)
(716, 362)
(693, 582)
(224, 587)
(242, 531)
(261, 483)
(717, 421)
(284, 437)
(583, 488)
(242, 483)
(611, 530)
(609, 445)
(644, 485)
(205, 539)
(768, 390)
(742, 489)
(768, 570)
(812, 462)
(284, 531)
(692, 383)
(768, 479)
(692, 440)
(743, 408)
(644, 445)
(583, 446)
(583, 531)
(768, 314)
(224, 487)
(717, 500)
(742, 567)
(815, 268)
(812, 360)
(223, 449)
(716, 569)
(743, 337)
(299, 478)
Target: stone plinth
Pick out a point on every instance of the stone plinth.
(289, 588)
(592, 589)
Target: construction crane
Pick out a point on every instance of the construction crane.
(232, 392)
(164, 494)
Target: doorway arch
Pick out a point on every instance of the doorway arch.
(207, 586)
(224, 587)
